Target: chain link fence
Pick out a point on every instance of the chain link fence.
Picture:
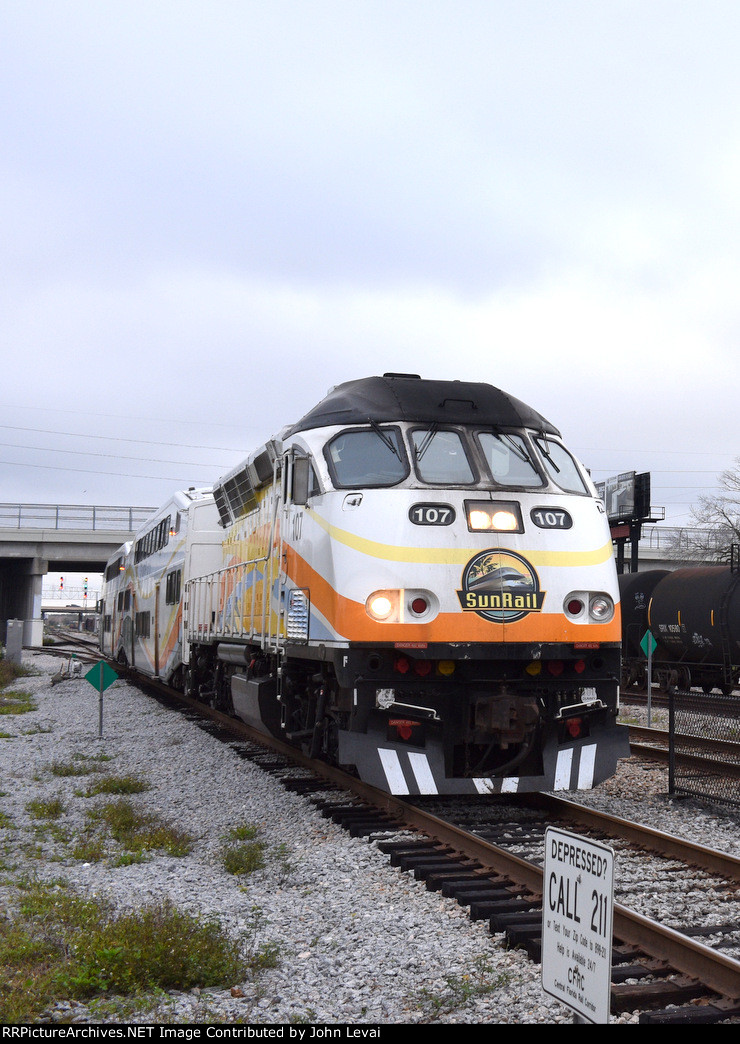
(704, 746)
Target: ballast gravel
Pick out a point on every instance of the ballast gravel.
(357, 941)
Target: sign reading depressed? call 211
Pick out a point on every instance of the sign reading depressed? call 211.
(577, 916)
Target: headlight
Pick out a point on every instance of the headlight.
(601, 608)
(382, 606)
(491, 515)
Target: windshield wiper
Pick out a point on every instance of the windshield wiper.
(385, 439)
(426, 442)
(542, 443)
(517, 450)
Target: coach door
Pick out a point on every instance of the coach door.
(156, 630)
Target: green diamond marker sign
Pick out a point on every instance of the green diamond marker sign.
(101, 676)
(648, 643)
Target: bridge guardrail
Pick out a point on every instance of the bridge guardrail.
(677, 537)
(73, 516)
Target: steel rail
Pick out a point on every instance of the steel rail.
(701, 764)
(641, 732)
(669, 845)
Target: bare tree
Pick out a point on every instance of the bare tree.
(717, 520)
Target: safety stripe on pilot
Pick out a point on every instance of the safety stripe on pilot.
(562, 769)
(393, 772)
(586, 767)
(419, 765)
(506, 785)
(422, 773)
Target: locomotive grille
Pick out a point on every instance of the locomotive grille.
(297, 617)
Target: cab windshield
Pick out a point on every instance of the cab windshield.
(440, 457)
(560, 466)
(367, 457)
(509, 459)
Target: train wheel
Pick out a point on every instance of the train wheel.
(666, 681)
(684, 679)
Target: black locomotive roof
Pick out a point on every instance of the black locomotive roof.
(406, 397)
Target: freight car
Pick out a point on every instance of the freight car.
(416, 582)
(694, 616)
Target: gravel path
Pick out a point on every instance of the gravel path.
(357, 941)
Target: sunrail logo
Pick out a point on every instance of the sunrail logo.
(500, 586)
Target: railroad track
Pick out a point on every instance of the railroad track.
(77, 650)
(68, 643)
(488, 857)
(639, 698)
(700, 753)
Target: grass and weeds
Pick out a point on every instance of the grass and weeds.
(137, 831)
(244, 858)
(10, 672)
(60, 945)
(459, 990)
(244, 853)
(78, 765)
(130, 784)
(12, 702)
(50, 808)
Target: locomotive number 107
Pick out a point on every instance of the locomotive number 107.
(551, 518)
(432, 514)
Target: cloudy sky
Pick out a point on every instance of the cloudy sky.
(214, 211)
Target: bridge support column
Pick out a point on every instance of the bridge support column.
(33, 624)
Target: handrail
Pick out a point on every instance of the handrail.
(208, 612)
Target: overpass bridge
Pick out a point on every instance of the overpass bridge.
(76, 538)
(71, 538)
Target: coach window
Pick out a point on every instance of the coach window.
(142, 625)
(440, 458)
(367, 457)
(509, 459)
(561, 467)
(173, 587)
